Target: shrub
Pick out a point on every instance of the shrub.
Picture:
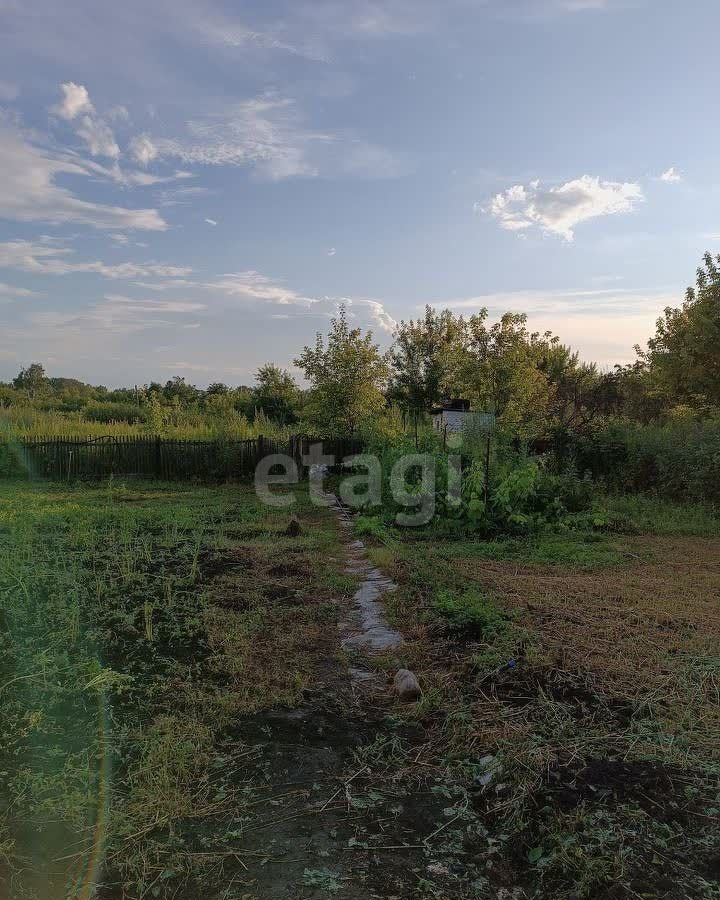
(114, 412)
(469, 615)
(679, 460)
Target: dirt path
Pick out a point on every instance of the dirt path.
(331, 813)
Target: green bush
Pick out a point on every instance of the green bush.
(679, 460)
(469, 615)
(114, 412)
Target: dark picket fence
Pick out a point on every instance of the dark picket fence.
(68, 458)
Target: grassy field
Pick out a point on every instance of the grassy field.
(587, 668)
(178, 720)
(139, 624)
(30, 423)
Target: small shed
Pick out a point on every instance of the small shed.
(451, 416)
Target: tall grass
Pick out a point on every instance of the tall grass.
(26, 423)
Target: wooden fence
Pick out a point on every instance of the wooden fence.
(70, 458)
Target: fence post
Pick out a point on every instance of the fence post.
(158, 457)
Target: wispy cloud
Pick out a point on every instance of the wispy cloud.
(143, 150)
(75, 104)
(42, 259)
(30, 192)
(211, 222)
(603, 324)
(254, 286)
(10, 290)
(561, 209)
(114, 314)
(153, 305)
(233, 34)
(612, 302)
(671, 176)
(267, 133)
(263, 132)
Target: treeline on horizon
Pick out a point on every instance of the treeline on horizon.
(538, 388)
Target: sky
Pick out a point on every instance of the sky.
(192, 187)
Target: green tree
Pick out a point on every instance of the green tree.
(217, 388)
(419, 360)
(276, 395)
(497, 368)
(683, 358)
(179, 392)
(33, 380)
(579, 393)
(346, 377)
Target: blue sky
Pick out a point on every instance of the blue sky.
(193, 186)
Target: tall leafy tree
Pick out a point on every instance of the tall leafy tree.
(347, 375)
(497, 368)
(276, 394)
(419, 360)
(683, 358)
(33, 380)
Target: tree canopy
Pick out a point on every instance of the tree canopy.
(347, 377)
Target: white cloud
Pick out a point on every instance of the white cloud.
(145, 179)
(93, 130)
(253, 285)
(75, 100)
(560, 209)
(211, 221)
(119, 114)
(181, 196)
(143, 150)
(671, 175)
(99, 137)
(41, 259)
(232, 34)
(9, 290)
(113, 315)
(262, 132)
(256, 286)
(379, 314)
(166, 284)
(29, 192)
(267, 133)
(614, 302)
(155, 306)
(331, 251)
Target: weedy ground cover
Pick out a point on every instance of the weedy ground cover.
(139, 623)
(178, 720)
(585, 666)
